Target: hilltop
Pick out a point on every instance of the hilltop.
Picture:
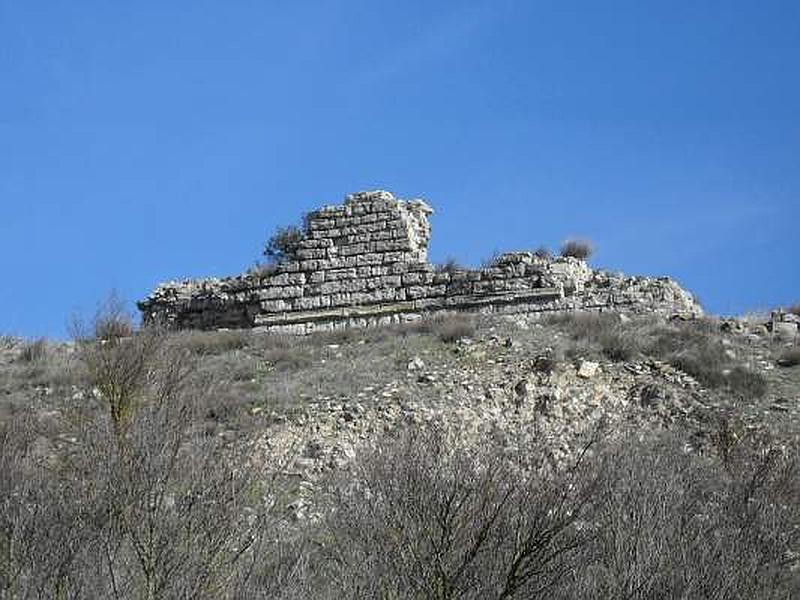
(304, 418)
(350, 420)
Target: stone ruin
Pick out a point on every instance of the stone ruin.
(364, 263)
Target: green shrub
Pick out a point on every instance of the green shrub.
(283, 244)
(577, 248)
(543, 252)
(450, 265)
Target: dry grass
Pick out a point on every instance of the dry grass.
(205, 343)
(602, 333)
(448, 328)
(695, 347)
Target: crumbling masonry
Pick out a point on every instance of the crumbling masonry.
(364, 263)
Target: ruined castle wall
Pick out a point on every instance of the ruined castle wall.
(364, 263)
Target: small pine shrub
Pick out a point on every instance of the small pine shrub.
(283, 244)
(451, 265)
(577, 248)
(543, 252)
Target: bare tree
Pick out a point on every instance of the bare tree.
(425, 518)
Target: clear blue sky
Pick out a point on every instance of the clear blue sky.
(145, 141)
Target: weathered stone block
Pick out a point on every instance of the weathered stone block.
(365, 262)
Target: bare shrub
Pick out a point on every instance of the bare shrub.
(794, 309)
(673, 524)
(491, 260)
(43, 551)
(112, 321)
(142, 504)
(33, 352)
(451, 328)
(577, 248)
(438, 521)
(119, 368)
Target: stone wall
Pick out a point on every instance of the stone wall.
(364, 263)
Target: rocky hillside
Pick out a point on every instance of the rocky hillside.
(552, 377)
(307, 411)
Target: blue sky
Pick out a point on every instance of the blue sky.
(146, 141)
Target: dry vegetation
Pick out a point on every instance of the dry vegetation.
(696, 347)
(145, 486)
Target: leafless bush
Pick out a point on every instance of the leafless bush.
(142, 504)
(111, 322)
(424, 518)
(451, 328)
(577, 248)
(34, 351)
(675, 524)
(633, 518)
(794, 309)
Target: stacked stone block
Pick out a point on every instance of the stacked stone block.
(364, 263)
